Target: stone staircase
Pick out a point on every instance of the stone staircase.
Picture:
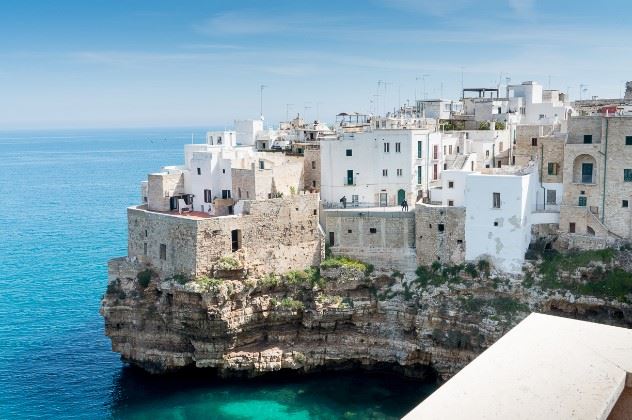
(459, 162)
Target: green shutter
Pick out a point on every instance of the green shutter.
(419, 151)
(582, 201)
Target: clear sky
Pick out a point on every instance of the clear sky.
(96, 63)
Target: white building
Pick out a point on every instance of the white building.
(500, 209)
(438, 108)
(536, 105)
(380, 167)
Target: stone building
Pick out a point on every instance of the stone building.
(597, 179)
(385, 239)
(274, 235)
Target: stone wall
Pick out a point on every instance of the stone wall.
(274, 235)
(446, 246)
(160, 187)
(384, 239)
(618, 157)
(551, 152)
(148, 230)
(243, 183)
(311, 169)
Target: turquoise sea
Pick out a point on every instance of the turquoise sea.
(64, 195)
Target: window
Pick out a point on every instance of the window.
(262, 164)
(534, 141)
(496, 200)
(450, 203)
(400, 172)
(354, 199)
(223, 171)
(587, 173)
(582, 201)
(314, 184)
(163, 252)
(225, 194)
(496, 223)
(398, 147)
(458, 149)
(445, 166)
(587, 138)
(315, 212)
(235, 238)
(486, 153)
(445, 150)
(372, 230)
(627, 175)
(199, 171)
(419, 150)
(313, 164)
(624, 203)
(435, 152)
(349, 231)
(440, 227)
(450, 149)
(384, 172)
(419, 175)
(551, 197)
(552, 168)
(208, 197)
(571, 227)
(349, 152)
(450, 184)
(387, 147)
(628, 140)
(145, 248)
(331, 239)
(435, 171)
(349, 176)
(146, 233)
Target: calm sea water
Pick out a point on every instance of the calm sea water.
(64, 196)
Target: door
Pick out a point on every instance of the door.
(350, 177)
(383, 199)
(401, 196)
(587, 173)
(173, 203)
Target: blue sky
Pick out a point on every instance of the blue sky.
(178, 63)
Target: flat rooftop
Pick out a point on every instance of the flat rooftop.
(546, 367)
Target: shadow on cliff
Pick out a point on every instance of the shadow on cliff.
(350, 390)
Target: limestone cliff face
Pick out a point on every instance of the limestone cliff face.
(439, 319)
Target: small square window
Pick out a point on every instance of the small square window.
(495, 223)
(587, 138)
(450, 203)
(430, 225)
(459, 241)
(349, 152)
(627, 175)
(450, 184)
(628, 140)
(349, 231)
(440, 227)
(372, 230)
(624, 203)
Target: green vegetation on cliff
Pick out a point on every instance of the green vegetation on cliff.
(337, 262)
(609, 283)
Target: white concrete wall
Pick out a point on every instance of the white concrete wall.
(506, 243)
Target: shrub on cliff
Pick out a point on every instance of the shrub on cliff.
(208, 283)
(228, 263)
(289, 303)
(145, 276)
(337, 262)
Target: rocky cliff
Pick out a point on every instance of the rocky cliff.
(344, 314)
